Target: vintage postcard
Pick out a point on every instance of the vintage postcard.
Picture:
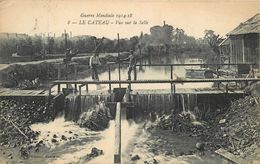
(141, 81)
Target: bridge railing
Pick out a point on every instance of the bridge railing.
(171, 68)
(171, 65)
(119, 67)
(172, 83)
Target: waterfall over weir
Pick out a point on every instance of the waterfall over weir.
(166, 103)
(201, 105)
(75, 105)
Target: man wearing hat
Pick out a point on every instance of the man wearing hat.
(132, 64)
(94, 62)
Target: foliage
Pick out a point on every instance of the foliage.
(164, 39)
(213, 40)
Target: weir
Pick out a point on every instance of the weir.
(131, 103)
(142, 104)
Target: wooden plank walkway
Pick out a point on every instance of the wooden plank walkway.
(187, 91)
(10, 92)
(176, 81)
(17, 93)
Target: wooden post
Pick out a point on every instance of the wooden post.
(75, 86)
(75, 76)
(119, 74)
(75, 72)
(109, 77)
(50, 90)
(86, 88)
(58, 88)
(243, 50)
(80, 90)
(171, 76)
(66, 74)
(217, 72)
(226, 88)
(171, 72)
(59, 71)
(129, 86)
(118, 52)
(117, 155)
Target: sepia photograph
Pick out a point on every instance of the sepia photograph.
(130, 82)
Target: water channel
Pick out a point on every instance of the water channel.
(135, 140)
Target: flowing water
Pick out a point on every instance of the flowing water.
(186, 107)
(79, 141)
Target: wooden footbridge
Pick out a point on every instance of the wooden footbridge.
(80, 85)
(172, 83)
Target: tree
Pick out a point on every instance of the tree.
(213, 40)
(161, 34)
(177, 38)
(50, 45)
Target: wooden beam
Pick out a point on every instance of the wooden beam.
(59, 71)
(155, 81)
(243, 49)
(230, 157)
(117, 155)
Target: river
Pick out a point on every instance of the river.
(149, 147)
(153, 73)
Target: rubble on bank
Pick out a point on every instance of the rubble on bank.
(16, 116)
(236, 129)
(95, 152)
(239, 132)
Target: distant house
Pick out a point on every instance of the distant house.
(244, 42)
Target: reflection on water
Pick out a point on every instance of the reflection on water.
(154, 73)
(150, 73)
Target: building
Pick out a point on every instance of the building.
(244, 42)
(224, 50)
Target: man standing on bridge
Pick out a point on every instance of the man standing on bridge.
(94, 62)
(132, 64)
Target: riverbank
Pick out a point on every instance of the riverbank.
(165, 146)
(34, 75)
(234, 129)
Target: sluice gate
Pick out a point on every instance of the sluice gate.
(141, 105)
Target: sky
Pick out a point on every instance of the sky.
(55, 16)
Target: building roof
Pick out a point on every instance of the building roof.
(252, 25)
(225, 42)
